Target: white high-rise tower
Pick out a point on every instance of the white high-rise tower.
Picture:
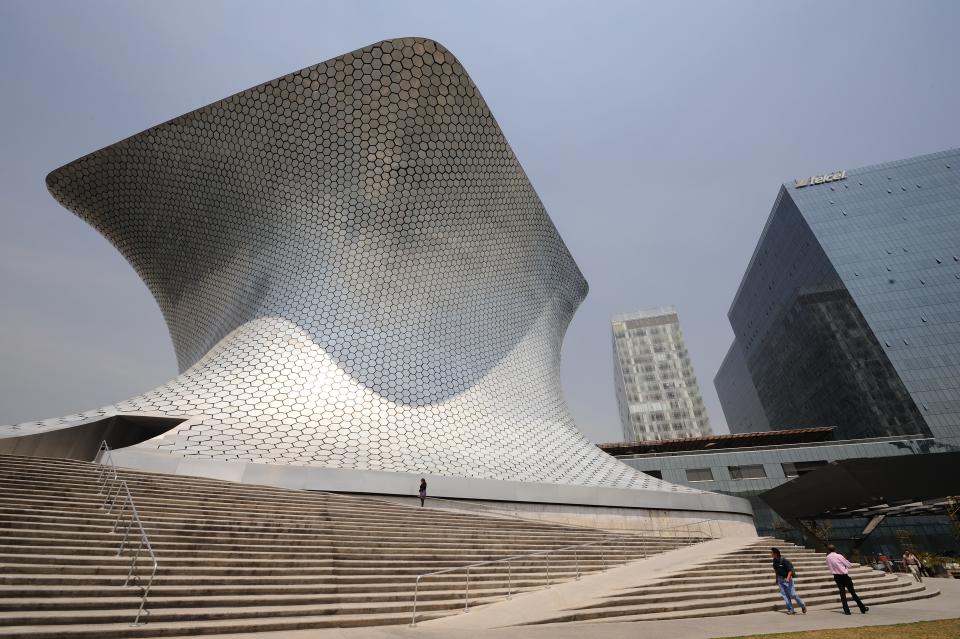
(657, 390)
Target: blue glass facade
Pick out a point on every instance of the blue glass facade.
(742, 405)
(849, 312)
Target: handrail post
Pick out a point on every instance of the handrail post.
(101, 450)
(113, 494)
(546, 554)
(549, 582)
(143, 599)
(116, 521)
(120, 511)
(109, 496)
(111, 485)
(126, 535)
(101, 479)
(133, 562)
(416, 591)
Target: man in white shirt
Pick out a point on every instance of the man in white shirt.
(840, 568)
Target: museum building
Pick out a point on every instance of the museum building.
(362, 288)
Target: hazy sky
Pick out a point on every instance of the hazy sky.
(656, 133)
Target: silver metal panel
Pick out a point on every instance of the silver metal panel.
(356, 274)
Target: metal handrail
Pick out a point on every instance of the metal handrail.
(119, 497)
(509, 561)
(710, 522)
(492, 511)
(547, 553)
(466, 506)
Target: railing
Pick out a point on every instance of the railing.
(622, 539)
(714, 529)
(509, 561)
(116, 493)
(465, 506)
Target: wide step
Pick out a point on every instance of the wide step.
(235, 558)
(740, 583)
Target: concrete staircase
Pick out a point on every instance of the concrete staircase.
(240, 558)
(743, 582)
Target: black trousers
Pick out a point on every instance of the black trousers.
(845, 583)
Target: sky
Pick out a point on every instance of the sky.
(656, 133)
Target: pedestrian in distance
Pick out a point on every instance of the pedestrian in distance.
(785, 573)
(423, 491)
(885, 562)
(840, 568)
(913, 565)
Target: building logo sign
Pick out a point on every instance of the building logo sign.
(819, 179)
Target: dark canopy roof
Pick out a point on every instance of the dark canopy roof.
(718, 442)
(898, 485)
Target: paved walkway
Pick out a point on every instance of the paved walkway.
(945, 606)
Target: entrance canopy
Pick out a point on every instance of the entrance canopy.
(890, 486)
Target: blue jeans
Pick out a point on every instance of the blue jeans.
(788, 592)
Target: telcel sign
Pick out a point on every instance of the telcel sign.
(819, 179)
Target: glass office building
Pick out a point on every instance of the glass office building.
(657, 391)
(742, 406)
(849, 312)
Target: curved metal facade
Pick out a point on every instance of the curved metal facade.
(355, 272)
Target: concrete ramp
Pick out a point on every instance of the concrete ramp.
(730, 576)
(549, 604)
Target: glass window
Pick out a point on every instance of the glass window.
(795, 469)
(699, 474)
(654, 473)
(753, 471)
